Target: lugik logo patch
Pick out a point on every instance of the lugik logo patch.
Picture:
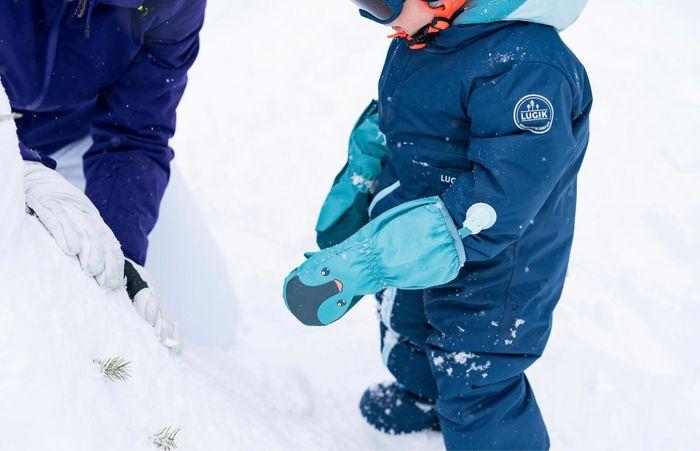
(534, 113)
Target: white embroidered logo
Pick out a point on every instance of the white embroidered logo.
(534, 113)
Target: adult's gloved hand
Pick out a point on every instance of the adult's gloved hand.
(140, 288)
(413, 246)
(74, 223)
(345, 208)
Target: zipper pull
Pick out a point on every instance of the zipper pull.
(480, 217)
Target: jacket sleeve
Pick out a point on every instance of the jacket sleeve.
(521, 143)
(32, 155)
(128, 167)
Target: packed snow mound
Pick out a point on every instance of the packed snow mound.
(56, 325)
(11, 188)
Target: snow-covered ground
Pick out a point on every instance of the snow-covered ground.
(262, 131)
(57, 328)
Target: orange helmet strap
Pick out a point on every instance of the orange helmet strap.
(447, 11)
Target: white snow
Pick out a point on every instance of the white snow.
(262, 132)
(424, 407)
(364, 185)
(55, 323)
(462, 357)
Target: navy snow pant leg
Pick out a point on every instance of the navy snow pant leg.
(482, 408)
(404, 330)
(442, 344)
(478, 360)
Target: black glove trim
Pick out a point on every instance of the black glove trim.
(134, 281)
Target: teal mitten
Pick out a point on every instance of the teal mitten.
(413, 246)
(345, 208)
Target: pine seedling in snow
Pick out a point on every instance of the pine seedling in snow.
(115, 368)
(165, 439)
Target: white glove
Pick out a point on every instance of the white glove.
(139, 286)
(75, 224)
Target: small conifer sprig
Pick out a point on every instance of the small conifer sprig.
(165, 439)
(115, 368)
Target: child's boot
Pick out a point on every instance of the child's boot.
(390, 408)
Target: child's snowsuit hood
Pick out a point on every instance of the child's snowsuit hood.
(560, 14)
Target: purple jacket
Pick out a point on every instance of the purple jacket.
(114, 69)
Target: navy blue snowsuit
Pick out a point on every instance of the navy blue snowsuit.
(495, 113)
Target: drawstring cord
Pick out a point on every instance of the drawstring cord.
(89, 18)
(83, 7)
(82, 4)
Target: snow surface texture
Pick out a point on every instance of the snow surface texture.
(56, 323)
(262, 131)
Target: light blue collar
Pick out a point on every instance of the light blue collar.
(557, 13)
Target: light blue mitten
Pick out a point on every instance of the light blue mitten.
(415, 245)
(345, 208)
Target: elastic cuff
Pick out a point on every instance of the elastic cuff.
(452, 228)
(32, 155)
